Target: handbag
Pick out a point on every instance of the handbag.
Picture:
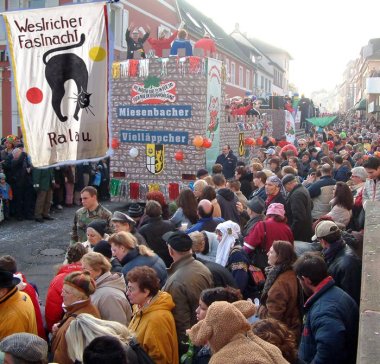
(260, 257)
(257, 275)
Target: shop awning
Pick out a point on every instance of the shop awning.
(322, 121)
(361, 105)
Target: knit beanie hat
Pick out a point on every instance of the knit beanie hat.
(256, 204)
(104, 248)
(82, 282)
(25, 346)
(135, 210)
(99, 226)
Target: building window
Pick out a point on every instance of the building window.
(262, 82)
(119, 19)
(35, 4)
(269, 86)
(3, 56)
(241, 80)
(227, 62)
(248, 80)
(233, 73)
(256, 80)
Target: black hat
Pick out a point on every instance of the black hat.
(288, 178)
(178, 240)
(104, 248)
(135, 210)
(7, 280)
(256, 204)
(120, 216)
(202, 172)
(99, 226)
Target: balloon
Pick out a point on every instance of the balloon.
(133, 152)
(115, 144)
(259, 141)
(198, 141)
(179, 155)
(207, 143)
(249, 141)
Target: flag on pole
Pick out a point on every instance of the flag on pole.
(60, 64)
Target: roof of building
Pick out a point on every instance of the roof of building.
(268, 48)
(197, 24)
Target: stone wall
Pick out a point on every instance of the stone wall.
(369, 326)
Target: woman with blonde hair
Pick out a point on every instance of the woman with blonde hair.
(86, 328)
(124, 247)
(110, 295)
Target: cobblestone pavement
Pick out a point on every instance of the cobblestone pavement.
(40, 247)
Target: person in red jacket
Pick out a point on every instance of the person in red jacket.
(164, 41)
(53, 308)
(8, 263)
(274, 227)
(207, 44)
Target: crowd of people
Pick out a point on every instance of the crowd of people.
(29, 193)
(257, 263)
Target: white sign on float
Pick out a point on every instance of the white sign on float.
(60, 65)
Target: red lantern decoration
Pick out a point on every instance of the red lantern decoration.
(207, 143)
(249, 141)
(115, 144)
(179, 155)
(198, 141)
(259, 141)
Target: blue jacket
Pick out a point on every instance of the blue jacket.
(205, 223)
(342, 174)
(180, 43)
(134, 259)
(315, 188)
(330, 326)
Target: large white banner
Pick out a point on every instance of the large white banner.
(60, 64)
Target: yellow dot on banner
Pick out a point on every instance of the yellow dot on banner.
(97, 54)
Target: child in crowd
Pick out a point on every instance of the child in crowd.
(6, 195)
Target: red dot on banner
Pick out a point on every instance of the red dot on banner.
(34, 95)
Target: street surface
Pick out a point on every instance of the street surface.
(40, 247)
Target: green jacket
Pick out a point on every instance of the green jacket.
(83, 217)
(43, 178)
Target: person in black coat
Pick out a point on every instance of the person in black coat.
(228, 161)
(153, 228)
(134, 42)
(298, 208)
(342, 263)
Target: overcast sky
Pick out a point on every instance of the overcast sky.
(321, 36)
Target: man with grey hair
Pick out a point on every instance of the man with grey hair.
(321, 192)
(24, 348)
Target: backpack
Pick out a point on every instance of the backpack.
(142, 356)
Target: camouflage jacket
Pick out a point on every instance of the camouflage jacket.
(83, 217)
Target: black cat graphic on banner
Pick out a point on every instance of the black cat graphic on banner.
(60, 62)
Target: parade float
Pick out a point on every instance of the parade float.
(169, 119)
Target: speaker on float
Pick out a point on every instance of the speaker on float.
(276, 102)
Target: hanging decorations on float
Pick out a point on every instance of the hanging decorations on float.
(198, 141)
(179, 156)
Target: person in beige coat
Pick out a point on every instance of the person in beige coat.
(231, 340)
(110, 295)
